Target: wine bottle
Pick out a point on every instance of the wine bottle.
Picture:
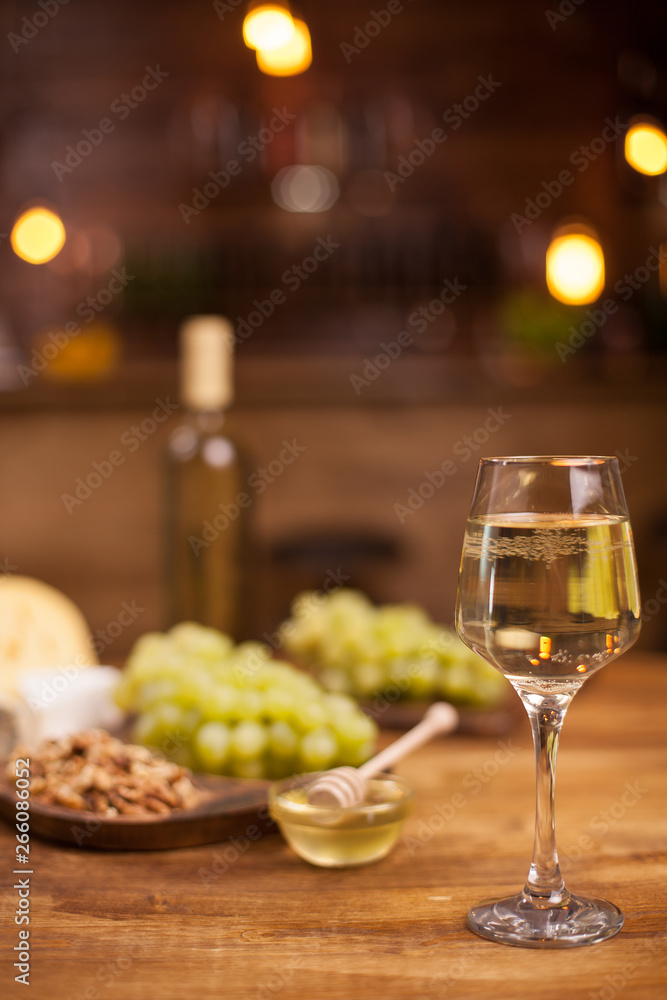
(206, 531)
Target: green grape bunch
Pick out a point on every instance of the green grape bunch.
(355, 648)
(213, 706)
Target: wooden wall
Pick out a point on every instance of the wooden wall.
(358, 463)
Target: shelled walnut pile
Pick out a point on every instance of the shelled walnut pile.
(95, 772)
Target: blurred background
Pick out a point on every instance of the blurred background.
(438, 229)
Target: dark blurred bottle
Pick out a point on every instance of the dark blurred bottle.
(206, 531)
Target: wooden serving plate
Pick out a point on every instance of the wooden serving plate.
(230, 807)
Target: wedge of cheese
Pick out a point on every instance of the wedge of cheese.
(39, 628)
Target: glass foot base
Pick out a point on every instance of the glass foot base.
(520, 921)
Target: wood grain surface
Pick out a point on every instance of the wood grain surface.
(251, 920)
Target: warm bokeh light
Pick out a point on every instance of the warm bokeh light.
(305, 189)
(575, 268)
(290, 59)
(92, 354)
(576, 463)
(646, 149)
(38, 235)
(268, 27)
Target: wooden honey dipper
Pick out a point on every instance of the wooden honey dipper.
(344, 787)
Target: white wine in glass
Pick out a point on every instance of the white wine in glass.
(548, 594)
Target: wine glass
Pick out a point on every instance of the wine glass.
(548, 594)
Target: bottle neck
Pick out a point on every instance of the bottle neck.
(206, 421)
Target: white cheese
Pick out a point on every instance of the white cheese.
(57, 703)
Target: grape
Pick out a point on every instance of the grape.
(221, 703)
(212, 745)
(234, 710)
(249, 704)
(334, 679)
(196, 640)
(368, 678)
(358, 649)
(424, 678)
(279, 702)
(249, 740)
(254, 652)
(164, 724)
(167, 716)
(282, 739)
(147, 729)
(354, 754)
(310, 716)
(318, 749)
(189, 722)
(153, 692)
(192, 688)
(340, 705)
(283, 743)
(354, 729)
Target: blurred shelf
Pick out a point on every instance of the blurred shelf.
(325, 381)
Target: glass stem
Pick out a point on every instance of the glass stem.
(545, 885)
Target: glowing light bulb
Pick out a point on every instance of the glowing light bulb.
(575, 268)
(268, 27)
(38, 235)
(646, 148)
(290, 59)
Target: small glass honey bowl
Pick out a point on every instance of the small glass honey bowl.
(334, 837)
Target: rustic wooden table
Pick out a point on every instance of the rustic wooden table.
(261, 924)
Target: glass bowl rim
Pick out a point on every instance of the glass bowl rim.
(300, 809)
(574, 459)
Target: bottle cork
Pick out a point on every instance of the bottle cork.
(207, 345)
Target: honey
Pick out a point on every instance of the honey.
(335, 837)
